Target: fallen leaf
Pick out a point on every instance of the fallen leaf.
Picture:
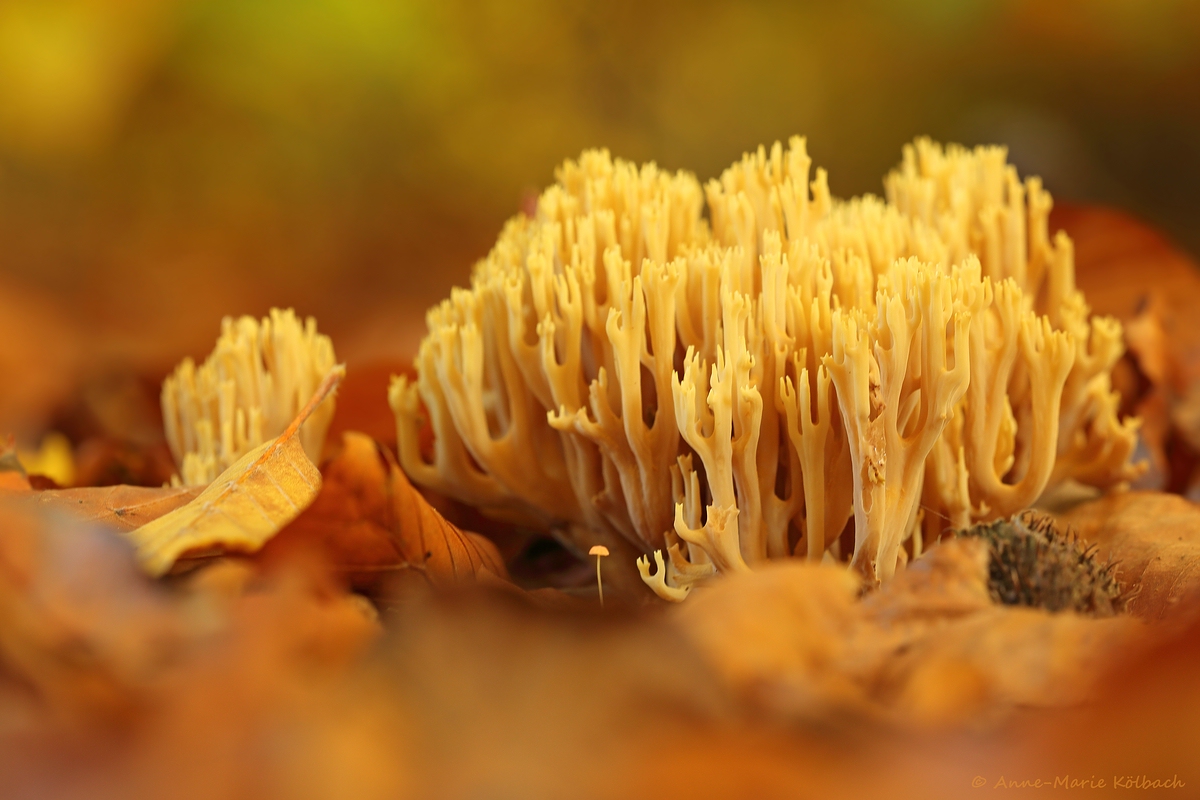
(1154, 537)
(977, 669)
(593, 705)
(927, 649)
(78, 623)
(1147, 338)
(780, 635)
(1131, 271)
(1142, 727)
(109, 679)
(121, 508)
(623, 705)
(371, 523)
(948, 657)
(426, 540)
(950, 580)
(246, 505)
(350, 522)
(1119, 261)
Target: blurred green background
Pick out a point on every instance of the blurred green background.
(164, 162)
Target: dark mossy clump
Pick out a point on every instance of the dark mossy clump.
(1032, 563)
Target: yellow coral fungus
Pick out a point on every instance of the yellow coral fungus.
(622, 371)
(246, 393)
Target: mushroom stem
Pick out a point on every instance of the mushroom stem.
(599, 583)
(599, 551)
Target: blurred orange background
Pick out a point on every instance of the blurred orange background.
(166, 162)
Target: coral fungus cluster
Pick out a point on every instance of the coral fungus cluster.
(245, 393)
(734, 372)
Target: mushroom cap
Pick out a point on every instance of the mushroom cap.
(598, 550)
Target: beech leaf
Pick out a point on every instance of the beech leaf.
(1154, 538)
(929, 648)
(350, 521)
(78, 623)
(370, 522)
(121, 507)
(427, 540)
(246, 505)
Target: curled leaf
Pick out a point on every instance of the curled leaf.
(370, 523)
(349, 523)
(246, 505)
(426, 539)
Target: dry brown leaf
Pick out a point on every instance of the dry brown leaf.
(78, 623)
(1131, 271)
(927, 649)
(350, 521)
(121, 508)
(427, 541)
(1144, 728)
(1154, 537)
(977, 669)
(370, 523)
(1119, 261)
(780, 635)
(246, 505)
(949, 656)
(112, 684)
(949, 581)
(607, 705)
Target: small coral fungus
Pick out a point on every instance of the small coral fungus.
(245, 393)
(738, 385)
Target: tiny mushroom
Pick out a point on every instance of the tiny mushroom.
(599, 551)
